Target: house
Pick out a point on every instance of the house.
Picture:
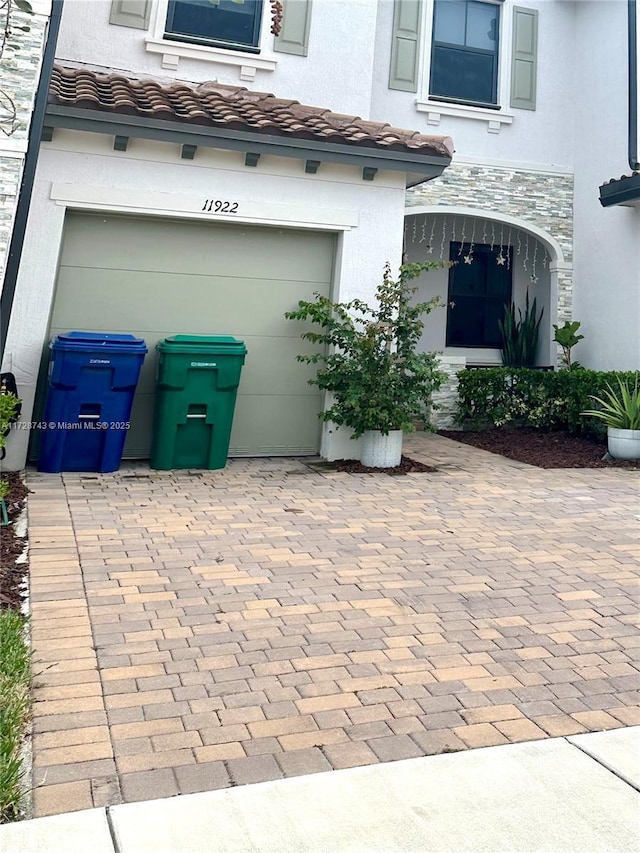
(535, 96)
(175, 194)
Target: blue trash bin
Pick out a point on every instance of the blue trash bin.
(92, 380)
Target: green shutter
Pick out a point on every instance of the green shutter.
(405, 45)
(524, 58)
(130, 13)
(296, 21)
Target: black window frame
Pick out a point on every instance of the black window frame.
(251, 45)
(491, 306)
(461, 51)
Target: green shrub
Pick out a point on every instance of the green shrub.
(550, 400)
(8, 405)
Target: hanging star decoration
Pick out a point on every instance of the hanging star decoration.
(429, 250)
(500, 260)
(533, 279)
(468, 259)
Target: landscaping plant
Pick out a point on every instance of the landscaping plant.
(14, 667)
(567, 338)
(520, 335)
(9, 404)
(549, 400)
(8, 407)
(618, 409)
(368, 356)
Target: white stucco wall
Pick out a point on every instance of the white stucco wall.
(336, 74)
(85, 167)
(542, 136)
(607, 240)
(579, 128)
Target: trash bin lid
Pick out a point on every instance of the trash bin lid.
(212, 344)
(98, 340)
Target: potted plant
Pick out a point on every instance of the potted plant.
(620, 411)
(369, 362)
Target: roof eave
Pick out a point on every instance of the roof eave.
(624, 192)
(418, 167)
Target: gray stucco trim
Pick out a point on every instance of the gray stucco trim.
(418, 167)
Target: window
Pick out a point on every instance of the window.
(478, 292)
(464, 53)
(233, 24)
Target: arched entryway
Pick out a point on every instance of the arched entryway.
(496, 259)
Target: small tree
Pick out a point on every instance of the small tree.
(567, 338)
(369, 359)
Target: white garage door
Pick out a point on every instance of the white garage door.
(157, 277)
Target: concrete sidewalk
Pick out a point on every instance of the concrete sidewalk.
(557, 796)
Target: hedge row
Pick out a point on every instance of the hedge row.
(550, 400)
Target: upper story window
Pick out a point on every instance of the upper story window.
(232, 24)
(464, 52)
(466, 58)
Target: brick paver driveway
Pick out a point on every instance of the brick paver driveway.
(198, 630)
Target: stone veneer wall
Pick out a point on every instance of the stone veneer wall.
(19, 79)
(543, 199)
(447, 397)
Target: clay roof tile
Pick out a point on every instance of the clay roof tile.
(218, 104)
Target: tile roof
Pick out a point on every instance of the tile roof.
(217, 105)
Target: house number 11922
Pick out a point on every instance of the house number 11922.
(212, 205)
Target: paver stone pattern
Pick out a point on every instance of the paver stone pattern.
(196, 630)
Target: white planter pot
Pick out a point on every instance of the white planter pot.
(381, 451)
(624, 443)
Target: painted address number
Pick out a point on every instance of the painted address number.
(212, 205)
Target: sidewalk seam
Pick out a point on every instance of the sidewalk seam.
(602, 763)
(112, 830)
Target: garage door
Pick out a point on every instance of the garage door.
(155, 278)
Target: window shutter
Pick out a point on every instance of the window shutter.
(296, 21)
(524, 58)
(131, 13)
(405, 45)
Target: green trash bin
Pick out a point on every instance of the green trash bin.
(198, 379)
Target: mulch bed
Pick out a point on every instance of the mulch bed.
(542, 449)
(11, 546)
(406, 466)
